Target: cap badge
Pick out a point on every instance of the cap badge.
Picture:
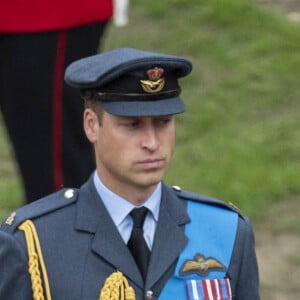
(155, 82)
(201, 266)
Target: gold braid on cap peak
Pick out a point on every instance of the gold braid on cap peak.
(116, 287)
(35, 259)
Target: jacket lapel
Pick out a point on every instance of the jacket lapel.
(169, 239)
(93, 217)
(116, 252)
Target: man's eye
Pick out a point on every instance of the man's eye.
(133, 124)
(163, 121)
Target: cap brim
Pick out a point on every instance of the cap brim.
(163, 107)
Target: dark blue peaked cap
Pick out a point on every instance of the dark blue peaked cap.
(131, 82)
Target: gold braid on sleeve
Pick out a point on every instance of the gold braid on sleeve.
(35, 262)
(116, 287)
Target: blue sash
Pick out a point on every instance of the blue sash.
(211, 235)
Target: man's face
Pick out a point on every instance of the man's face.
(133, 153)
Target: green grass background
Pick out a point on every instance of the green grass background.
(239, 139)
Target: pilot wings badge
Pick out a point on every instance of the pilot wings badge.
(201, 266)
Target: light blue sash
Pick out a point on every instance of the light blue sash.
(211, 233)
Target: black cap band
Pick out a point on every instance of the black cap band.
(92, 94)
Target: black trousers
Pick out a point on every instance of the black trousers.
(42, 114)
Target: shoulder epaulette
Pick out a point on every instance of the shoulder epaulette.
(205, 199)
(38, 208)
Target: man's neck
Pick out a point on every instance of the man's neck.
(136, 195)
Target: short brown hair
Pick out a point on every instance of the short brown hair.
(95, 106)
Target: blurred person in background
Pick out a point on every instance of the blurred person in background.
(38, 38)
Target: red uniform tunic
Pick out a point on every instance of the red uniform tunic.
(43, 15)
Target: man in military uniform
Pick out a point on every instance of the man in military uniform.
(125, 224)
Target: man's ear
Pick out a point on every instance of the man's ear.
(90, 125)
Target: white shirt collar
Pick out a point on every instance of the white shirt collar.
(119, 207)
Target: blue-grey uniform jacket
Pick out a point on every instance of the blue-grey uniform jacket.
(82, 247)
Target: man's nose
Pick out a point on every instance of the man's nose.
(150, 139)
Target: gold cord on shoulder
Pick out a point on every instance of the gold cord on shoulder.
(116, 287)
(35, 262)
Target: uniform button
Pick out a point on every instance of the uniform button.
(11, 218)
(149, 295)
(176, 188)
(69, 194)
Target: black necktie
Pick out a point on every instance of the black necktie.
(136, 244)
